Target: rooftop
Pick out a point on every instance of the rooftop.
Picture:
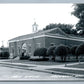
(57, 32)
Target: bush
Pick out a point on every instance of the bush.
(80, 50)
(68, 50)
(24, 57)
(36, 52)
(43, 52)
(61, 51)
(73, 50)
(40, 52)
(4, 55)
(50, 50)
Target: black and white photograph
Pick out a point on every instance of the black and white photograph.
(41, 42)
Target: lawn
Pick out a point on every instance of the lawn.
(46, 63)
(77, 66)
(67, 71)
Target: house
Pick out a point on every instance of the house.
(44, 38)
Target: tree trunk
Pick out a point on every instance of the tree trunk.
(77, 57)
(50, 58)
(61, 58)
(64, 58)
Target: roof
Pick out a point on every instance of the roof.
(56, 32)
(41, 32)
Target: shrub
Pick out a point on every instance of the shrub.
(36, 52)
(4, 55)
(61, 51)
(40, 52)
(79, 50)
(50, 50)
(68, 50)
(1, 55)
(73, 50)
(43, 51)
(23, 56)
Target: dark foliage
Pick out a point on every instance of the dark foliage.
(43, 51)
(40, 52)
(4, 55)
(80, 50)
(79, 13)
(50, 50)
(61, 51)
(78, 8)
(36, 52)
(68, 50)
(64, 27)
(73, 50)
(24, 57)
(39, 59)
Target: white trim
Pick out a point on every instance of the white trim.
(28, 38)
(65, 38)
(47, 36)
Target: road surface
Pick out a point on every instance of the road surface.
(15, 74)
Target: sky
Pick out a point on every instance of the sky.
(17, 19)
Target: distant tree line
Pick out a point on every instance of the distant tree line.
(67, 28)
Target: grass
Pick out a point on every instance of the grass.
(36, 62)
(68, 71)
(77, 66)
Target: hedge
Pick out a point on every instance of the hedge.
(4, 55)
(40, 52)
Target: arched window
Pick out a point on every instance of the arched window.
(24, 46)
(24, 49)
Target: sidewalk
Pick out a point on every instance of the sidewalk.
(60, 69)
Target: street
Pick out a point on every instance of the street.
(15, 74)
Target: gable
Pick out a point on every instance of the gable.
(58, 32)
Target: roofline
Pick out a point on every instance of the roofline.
(48, 36)
(44, 31)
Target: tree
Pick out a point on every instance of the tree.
(64, 27)
(79, 13)
(61, 51)
(68, 49)
(80, 50)
(73, 50)
(50, 52)
(40, 52)
(78, 8)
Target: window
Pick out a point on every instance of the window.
(38, 45)
(24, 46)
